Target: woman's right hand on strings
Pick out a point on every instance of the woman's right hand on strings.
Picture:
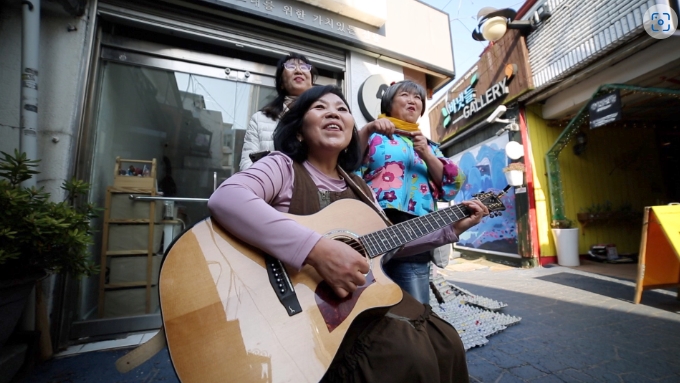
(381, 126)
(339, 265)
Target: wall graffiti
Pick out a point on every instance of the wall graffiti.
(483, 168)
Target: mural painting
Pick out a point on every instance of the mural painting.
(483, 168)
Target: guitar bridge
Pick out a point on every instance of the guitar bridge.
(278, 278)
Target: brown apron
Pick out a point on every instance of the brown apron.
(408, 344)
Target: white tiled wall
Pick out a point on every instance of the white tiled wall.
(579, 32)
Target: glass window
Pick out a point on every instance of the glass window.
(193, 126)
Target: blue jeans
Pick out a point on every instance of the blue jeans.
(413, 277)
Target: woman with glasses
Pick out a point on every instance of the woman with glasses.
(294, 75)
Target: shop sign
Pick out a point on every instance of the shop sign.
(370, 96)
(501, 75)
(302, 15)
(605, 109)
(468, 103)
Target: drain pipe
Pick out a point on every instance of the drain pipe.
(30, 47)
(28, 141)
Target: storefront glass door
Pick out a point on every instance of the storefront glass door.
(187, 120)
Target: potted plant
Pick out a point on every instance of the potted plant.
(566, 242)
(38, 236)
(514, 174)
(605, 213)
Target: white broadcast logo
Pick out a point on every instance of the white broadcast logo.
(660, 21)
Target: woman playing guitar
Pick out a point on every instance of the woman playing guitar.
(318, 150)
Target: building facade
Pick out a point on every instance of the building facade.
(176, 82)
(594, 176)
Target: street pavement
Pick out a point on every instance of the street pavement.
(576, 327)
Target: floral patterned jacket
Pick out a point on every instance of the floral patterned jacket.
(399, 177)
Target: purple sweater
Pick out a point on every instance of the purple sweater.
(249, 203)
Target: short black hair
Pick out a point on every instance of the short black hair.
(273, 109)
(405, 86)
(290, 125)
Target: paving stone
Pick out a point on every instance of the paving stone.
(526, 372)
(501, 359)
(618, 366)
(547, 379)
(636, 378)
(510, 378)
(513, 348)
(571, 375)
(484, 371)
(596, 349)
(655, 368)
(665, 354)
(550, 363)
(670, 379)
(578, 361)
(603, 375)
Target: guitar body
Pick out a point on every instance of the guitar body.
(224, 322)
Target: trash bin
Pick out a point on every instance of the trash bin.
(566, 243)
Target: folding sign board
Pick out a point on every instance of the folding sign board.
(659, 263)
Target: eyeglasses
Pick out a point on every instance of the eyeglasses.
(292, 66)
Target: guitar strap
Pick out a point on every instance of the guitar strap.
(142, 353)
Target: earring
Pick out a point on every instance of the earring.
(345, 150)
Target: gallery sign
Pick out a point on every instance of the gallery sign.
(501, 75)
(467, 103)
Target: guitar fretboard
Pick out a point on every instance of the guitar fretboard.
(382, 241)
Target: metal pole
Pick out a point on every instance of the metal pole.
(28, 140)
(30, 48)
(176, 199)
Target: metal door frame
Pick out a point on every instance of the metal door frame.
(152, 55)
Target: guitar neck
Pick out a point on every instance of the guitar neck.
(382, 241)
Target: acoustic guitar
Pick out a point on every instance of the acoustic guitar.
(234, 314)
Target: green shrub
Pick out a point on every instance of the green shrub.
(36, 233)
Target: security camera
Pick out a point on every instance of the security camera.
(493, 117)
(511, 127)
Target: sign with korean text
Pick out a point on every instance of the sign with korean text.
(467, 103)
(605, 109)
(305, 16)
(501, 75)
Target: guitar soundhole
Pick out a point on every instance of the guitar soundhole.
(353, 243)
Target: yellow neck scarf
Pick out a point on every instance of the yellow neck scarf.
(401, 124)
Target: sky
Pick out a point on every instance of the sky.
(463, 19)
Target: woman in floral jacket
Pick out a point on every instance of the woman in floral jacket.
(408, 174)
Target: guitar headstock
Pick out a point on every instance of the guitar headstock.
(492, 201)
